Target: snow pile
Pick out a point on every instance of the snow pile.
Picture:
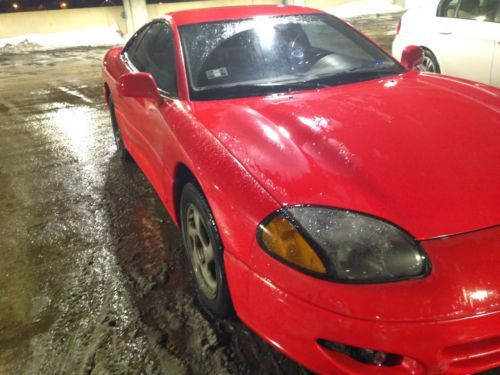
(360, 8)
(90, 36)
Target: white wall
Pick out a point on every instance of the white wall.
(52, 21)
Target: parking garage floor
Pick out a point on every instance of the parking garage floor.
(92, 272)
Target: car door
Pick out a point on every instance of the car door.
(464, 31)
(161, 119)
(495, 67)
(152, 121)
(126, 109)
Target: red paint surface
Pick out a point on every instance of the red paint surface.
(419, 150)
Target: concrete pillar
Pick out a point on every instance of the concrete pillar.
(136, 14)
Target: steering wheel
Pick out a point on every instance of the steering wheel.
(296, 52)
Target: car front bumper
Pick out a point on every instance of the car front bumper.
(293, 323)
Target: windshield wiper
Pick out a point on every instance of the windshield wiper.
(317, 81)
(314, 83)
(248, 89)
(371, 69)
(357, 74)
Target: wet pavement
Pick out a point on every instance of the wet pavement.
(93, 277)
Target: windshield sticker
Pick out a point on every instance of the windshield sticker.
(217, 73)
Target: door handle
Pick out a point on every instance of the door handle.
(444, 32)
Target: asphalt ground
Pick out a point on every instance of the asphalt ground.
(92, 276)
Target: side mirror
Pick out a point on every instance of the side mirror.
(412, 57)
(138, 85)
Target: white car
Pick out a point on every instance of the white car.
(460, 37)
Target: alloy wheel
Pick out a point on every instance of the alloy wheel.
(428, 65)
(201, 252)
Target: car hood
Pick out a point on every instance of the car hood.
(419, 150)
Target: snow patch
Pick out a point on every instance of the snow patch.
(91, 36)
(360, 8)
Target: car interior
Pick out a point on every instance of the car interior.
(244, 56)
(478, 10)
(248, 57)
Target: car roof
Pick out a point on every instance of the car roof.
(185, 17)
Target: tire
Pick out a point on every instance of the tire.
(120, 146)
(430, 63)
(204, 251)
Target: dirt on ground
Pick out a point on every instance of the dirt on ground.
(93, 277)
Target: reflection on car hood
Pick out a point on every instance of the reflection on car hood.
(420, 150)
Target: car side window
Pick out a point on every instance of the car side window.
(448, 8)
(478, 10)
(132, 46)
(155, 54)
(488, 10)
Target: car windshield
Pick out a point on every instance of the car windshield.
(267, 55)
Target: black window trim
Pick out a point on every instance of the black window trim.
(131, 67)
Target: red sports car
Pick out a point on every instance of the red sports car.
(344, 205)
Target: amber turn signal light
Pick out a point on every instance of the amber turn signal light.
(282, 239)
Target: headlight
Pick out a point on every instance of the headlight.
(342, 245)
